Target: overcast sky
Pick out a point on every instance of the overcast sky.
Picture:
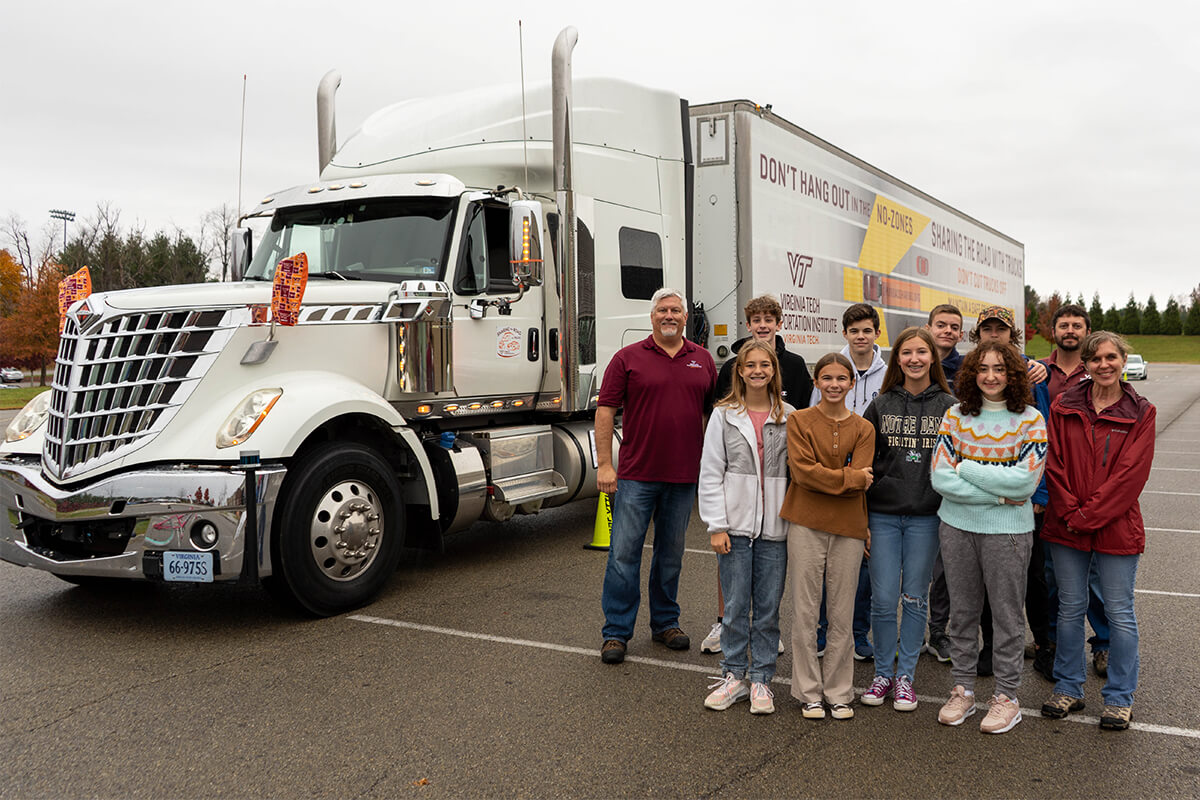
(1072, 127)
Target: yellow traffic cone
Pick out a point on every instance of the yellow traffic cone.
(602, 533)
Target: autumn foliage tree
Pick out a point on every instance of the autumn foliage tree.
(30, 333)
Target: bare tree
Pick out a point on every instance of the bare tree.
(215, 228)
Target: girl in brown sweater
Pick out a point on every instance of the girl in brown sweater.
(830, 452)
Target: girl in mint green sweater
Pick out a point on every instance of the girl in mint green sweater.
(988, 460)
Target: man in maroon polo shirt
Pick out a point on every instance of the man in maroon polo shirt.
(665, 385)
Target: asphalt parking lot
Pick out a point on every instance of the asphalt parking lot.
(476, 674)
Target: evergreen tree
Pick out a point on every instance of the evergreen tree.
(1131, 318)
(1151, 321)
(1033, 308)
(1192, 326)
(1172, 321)
(1096, 311)
(1111, 322)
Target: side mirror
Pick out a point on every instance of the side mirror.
(525, 242)
(240, 249)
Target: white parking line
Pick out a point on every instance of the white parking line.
(1172, 530)
(1169, 594)
(1175, 494)
(1173, 469)
(590, 652)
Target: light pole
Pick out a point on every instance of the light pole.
(65, 216)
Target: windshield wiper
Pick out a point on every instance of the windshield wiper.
(333, 274)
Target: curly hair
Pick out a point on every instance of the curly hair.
(737, 387)
(765, 304)
(1017, 394)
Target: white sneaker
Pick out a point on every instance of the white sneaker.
(762, 699)
(813, 711)
(712, 642)
(727, 691)
(781, 644)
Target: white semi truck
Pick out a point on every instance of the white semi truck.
(444, 366)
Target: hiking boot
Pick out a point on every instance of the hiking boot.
(904, 698)
(1043, 662)
(939, 646)
(813, 711)
(762, 699)
(1116, 718)
(712, 642)
(726, 692)
(877, 692)
(1003, 715)
(673, 638)
(1059, 705)
(841, 711)
(613, 651)
(960, 706)
(1100, 664)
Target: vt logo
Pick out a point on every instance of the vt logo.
(799, 265)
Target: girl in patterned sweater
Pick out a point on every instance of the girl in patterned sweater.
(988, 461)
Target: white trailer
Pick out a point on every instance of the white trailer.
(779, 210)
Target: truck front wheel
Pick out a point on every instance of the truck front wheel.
(340, 530)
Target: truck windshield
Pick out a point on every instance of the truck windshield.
(381, 240)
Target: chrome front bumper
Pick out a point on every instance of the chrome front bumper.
(120, 525)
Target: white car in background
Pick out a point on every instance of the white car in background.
(11, 375)
(1135, 368)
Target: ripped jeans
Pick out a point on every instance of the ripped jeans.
(903, 550)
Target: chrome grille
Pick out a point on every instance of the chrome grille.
(120, 380)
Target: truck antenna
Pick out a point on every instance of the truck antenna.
(241, 148)
(524, 133)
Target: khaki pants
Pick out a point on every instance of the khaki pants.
(816, 558)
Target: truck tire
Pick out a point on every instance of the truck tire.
(340, 530)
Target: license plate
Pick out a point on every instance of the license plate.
(188, 567)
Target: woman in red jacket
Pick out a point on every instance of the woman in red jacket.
(1101, 447)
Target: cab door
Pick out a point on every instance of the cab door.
(499, 340)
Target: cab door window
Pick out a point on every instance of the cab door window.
(484, 261)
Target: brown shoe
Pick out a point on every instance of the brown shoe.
(1059, 705)
(673, 638)
(1116, 718)
(1100, 662)
(613, 651)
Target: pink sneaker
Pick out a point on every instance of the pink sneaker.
(727, 691)
(903, 696)
(1003, 715)
(960, 706)
(879, 689)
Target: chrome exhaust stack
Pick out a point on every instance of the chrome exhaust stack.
(326, 119)
(568, 255)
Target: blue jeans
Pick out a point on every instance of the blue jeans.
(634, 505)
(752, 575)
(903, 549)
(1095, 610)
(1117, 575)
(862, 609)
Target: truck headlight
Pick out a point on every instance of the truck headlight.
(29, 419)
(246, 418)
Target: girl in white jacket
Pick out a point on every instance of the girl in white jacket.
(743, 478)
